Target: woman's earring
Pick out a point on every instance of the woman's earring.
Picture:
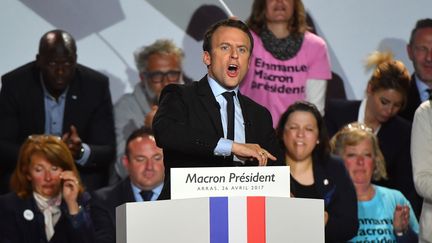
(317, 142)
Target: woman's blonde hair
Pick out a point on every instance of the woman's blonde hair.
(351, 135)
(53, 149)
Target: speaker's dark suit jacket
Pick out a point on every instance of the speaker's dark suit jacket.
(413, 101)
(188, 126)
(394, 139)
(88, 107)
(18, 228)
(103, 207)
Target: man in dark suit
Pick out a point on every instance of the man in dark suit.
(419, 51)
(56, 95)
(191, 124)
(143, 161)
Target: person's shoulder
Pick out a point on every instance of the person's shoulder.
(190, 86)
(250, 102)
(335, 161)
(335, 106)
(91, 74)
(104, 193)
(9, 201)
(9, 196)
(124, 100)
(425, 108)
(343, 102)
(401, 122)
(107, 194)
(333, 165)
(19, 70)
(185, 90)
(255, 35)
(180, 87)
(314, 40)
(17, 75)
(423, 114)
(389, 193)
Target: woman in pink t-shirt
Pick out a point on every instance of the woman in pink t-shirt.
(288, 62)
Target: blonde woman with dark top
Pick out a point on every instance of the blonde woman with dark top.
(385, 96)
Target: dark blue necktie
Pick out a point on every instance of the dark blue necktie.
(229, 96)
(146, 195)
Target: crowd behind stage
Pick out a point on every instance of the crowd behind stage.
(69, 156)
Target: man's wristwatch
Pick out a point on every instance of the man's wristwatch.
(400, 233)
(81, 153)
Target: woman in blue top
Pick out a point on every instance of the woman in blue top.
(384, 214)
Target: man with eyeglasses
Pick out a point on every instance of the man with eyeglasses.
(56, 95)
(158, 64)
(145, 165)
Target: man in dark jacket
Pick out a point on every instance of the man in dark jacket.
(143, 161)
(56, 95)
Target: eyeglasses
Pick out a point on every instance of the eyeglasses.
(158, 77)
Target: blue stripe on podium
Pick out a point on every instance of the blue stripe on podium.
(219, 220)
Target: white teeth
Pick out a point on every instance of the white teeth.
(232, 67)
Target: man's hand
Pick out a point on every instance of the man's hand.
(252, 151)
(148, 119)
(73, 141)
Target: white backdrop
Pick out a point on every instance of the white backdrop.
(108, 31)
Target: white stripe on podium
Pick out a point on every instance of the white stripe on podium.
(237, 219)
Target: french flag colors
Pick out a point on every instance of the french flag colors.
(251, 219)
(237, 219)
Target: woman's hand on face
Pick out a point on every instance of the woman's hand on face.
(401, 218)
(70, 191)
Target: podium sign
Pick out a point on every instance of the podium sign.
(272, 181)
(222, 220)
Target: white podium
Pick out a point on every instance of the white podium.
(222, 220)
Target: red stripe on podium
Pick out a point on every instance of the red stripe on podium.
(256, 229)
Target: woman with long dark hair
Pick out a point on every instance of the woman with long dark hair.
(314, 172)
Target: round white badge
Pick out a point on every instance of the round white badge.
(28, 214)
(326, 182)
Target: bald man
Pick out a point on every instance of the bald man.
(56, 95)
